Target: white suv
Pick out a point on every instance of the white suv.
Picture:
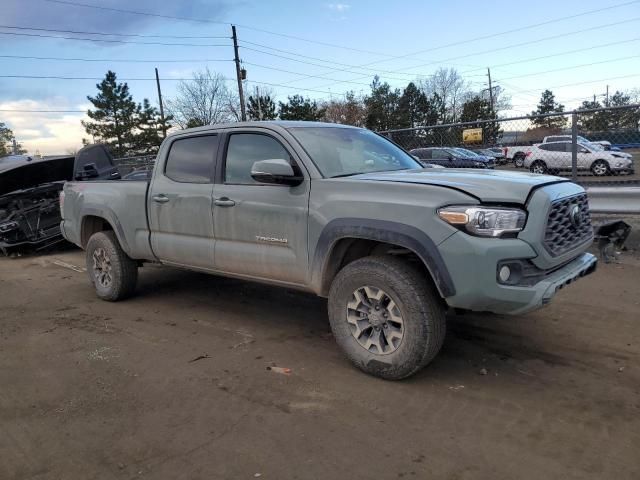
(556, 156)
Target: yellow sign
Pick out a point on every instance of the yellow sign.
(472, 135)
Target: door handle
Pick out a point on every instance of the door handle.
(224, 202)
(162, 198)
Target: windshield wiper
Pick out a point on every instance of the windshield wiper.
(348, 174)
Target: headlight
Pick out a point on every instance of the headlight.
(484, 221)
(479, 164)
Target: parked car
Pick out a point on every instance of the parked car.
(451, 157)
(580, 139)
(518, 153)
(496, 152)
(346, 214)
(557, 156)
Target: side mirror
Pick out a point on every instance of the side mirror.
(276, 171)
(583, 150)
(450, 158)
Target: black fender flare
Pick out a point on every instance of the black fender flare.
(385, 231)
(110, 217)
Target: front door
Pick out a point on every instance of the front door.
(180, 203)
(261, 230)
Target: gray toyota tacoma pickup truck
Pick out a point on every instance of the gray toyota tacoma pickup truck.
(346, 214)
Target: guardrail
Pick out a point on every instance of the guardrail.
(618, 199)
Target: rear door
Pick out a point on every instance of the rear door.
(261, 230)
(180, 203)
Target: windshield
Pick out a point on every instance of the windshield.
(466, 153)
(340, 152)
(593, 146)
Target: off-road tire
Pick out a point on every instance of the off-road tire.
(124, 271)
(422, 310)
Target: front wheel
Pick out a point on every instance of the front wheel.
(386, 316)
(600, 168)
(538, 167)
(113, 274)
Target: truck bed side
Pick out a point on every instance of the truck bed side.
(122, 204)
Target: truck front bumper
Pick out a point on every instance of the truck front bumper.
(473, 263)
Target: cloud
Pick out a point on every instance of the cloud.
(72, 17)
(338, 7)
(46, 133)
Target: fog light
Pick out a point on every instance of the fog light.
(504, 274)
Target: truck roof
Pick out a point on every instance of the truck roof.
(274, 124)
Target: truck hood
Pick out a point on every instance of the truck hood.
(486, 185)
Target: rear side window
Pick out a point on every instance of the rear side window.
(190, 160)
(441, 154)
(424, 154)
(246, 148)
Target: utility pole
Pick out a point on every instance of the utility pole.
(259, 105)
(238, 74)
(14, 145)
(164, 124)
(490, 92)
(607, 101)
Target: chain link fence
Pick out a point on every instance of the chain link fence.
(597, 145)
(128, 165)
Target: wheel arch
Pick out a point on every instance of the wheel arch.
(95, 220)
(347, 239)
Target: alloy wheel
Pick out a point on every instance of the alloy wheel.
(375, 320)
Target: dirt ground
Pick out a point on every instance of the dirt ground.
(174, 384)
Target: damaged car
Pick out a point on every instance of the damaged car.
(29, 193)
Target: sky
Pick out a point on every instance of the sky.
(314, 48)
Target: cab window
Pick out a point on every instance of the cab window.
(190, 160)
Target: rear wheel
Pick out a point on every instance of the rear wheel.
(538, 167)
(518, 160)
(386, 316)
(112, 272)
(600, 168)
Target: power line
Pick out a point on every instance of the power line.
(59, 77)
(114, 60)
(201, 20)
(559, 54)
(298, 73)
(506, 47)
(374, 71)
(110, 41)
(43, 111)
(390, 57)
(572, 67)
(13, 27)
(584, 83)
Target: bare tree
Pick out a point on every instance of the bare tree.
(350, 111)
(451, 89)
(204, 100)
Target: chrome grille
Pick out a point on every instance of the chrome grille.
(568, 224)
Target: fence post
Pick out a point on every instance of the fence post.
(574, 146)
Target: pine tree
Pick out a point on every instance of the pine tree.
(261, 107)
(415, 109)
(115, 117)
(149, 125)
(382, 106)
(300, 108)
(546, 105)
